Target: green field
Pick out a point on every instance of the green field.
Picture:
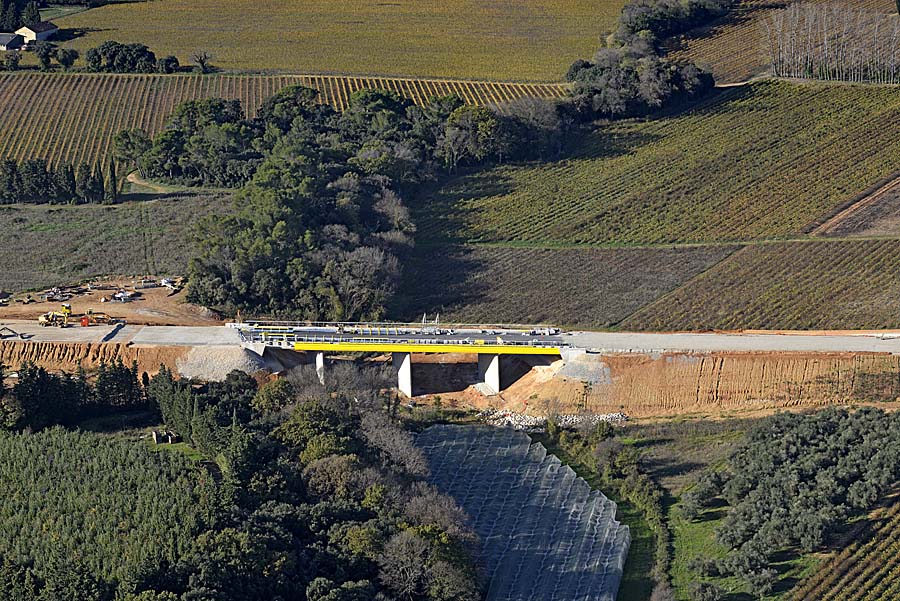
(762, 161)
(534, 40)
(50, 245)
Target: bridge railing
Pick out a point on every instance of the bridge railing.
(291, 339)
(350, 326)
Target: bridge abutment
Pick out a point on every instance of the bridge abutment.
(320, 367)
(489, 373)
(403, 364)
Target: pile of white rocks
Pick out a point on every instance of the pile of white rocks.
(533, 423)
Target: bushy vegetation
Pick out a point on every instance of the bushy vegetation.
(830, 466)
(320, 216)
(658, 19)
(307, 493)
(102, 104)
(114, 57)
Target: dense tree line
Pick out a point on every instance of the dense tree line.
(320, 216)
(833, 42)
(317, 495)
(34, 181)
(41, 399)
(794, 481)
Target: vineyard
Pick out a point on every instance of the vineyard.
(48, 246)
(795, 285)
(867, 569)
(761, 161)
(734, 48)
(534, 40)
(588, 288)
(73, 118)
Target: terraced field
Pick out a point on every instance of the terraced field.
(795, 285)
(761, 161)
(524, 40)
(74, 117)
(734, 48)
(581, 287)
(50, 245)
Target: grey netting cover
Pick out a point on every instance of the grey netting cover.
(545, 535)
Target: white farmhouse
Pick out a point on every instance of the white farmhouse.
(38, 32)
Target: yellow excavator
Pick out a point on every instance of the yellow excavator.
(61, 318)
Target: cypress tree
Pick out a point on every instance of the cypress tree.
(111, 185)
(31, 15)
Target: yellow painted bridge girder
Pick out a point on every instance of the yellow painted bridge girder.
(401, 347)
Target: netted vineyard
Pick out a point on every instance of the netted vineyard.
(867, 569)
(792, 285)
(761, 161)
(74, 117)
(544, 534)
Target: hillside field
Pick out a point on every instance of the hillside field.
(578, 287)
(525, 40)
(758, 162)
(48, 245)
(73, 117)
(734, 47)
(792, 285)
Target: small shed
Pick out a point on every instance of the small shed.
(11, 41)
(38, 32)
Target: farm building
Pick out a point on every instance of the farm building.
(11, 41)
(38, 32)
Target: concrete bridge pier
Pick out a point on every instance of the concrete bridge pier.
(320, 367)
(489, 373)
(403, 364)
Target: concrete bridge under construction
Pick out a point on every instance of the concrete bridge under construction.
(490, 344)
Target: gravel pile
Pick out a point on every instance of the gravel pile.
(532, 423)
(216, 362)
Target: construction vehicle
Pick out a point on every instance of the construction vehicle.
(62, 317)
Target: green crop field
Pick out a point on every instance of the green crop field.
(791, 285)
(588, 288)
(762, 161)
(74, 117)
(50, 245)
(531, 40)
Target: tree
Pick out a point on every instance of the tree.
(202, 60)
(64, 184)
(94, 60)
(66, 57)
(45, 51)
(31, 15)
(11, 60)
(130, 145)
(11, 17)
(168, 64)
(111, 184)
